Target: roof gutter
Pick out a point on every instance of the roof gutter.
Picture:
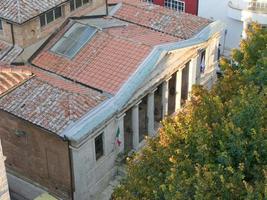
(94, 119)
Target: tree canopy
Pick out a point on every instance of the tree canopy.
(216, 148)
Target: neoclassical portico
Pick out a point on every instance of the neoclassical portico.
(169, 90)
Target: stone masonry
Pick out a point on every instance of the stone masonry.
(4, 193)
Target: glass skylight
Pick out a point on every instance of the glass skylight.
(73, 40)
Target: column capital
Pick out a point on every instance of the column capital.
(167, 79)
(137, 104)
(153, 91)
(119, 116)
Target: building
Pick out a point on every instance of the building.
(237, 15)
(95, 89)
(26, 24)
(188, 6)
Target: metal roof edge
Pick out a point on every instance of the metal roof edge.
(93, 120)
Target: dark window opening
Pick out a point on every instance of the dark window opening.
(203, 61)
(42, 20)
(50, 16)
(78, 3)
(99, 149)
(58, 12)
(1, 25)
(74, 4)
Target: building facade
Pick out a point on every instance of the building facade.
(188, 6)
(24, 23)
(237, 15)
(95, 89)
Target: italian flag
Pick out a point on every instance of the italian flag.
(118, 142)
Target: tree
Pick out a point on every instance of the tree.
(216, 148)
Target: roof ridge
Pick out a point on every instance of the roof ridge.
(19, 10)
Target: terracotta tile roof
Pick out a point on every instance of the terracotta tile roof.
(10, 78)
(108, 60)
(20, 11)
(50, 101)
(175, 23)
(4, 48)
(8, 53)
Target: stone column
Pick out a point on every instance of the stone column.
(245, 27)
(178, 88)
(198, 74)
(165, 97)
(192, 75)
(120, 120)
(135, 126)
(150, 113)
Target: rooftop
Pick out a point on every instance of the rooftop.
(10, 78)
(178, 24)
(49, 101)
(111, 56)
(120, 44)
(8, 52)
(68, 83)
(20, 11)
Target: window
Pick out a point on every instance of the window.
(1, 25)
(175, 5)
(58, 12)
(73, 40)
(203, 61)
(99, 147)
(50, 16)
(74, 4)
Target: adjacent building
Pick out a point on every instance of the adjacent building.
(237, 15)
(95, 88)
(188, 6)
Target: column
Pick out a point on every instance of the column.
(245, 27)
(165, 97)
(192, 75)
(178, 88)
(135, 126)
(198, 74)
(150, 113)
(120, 121)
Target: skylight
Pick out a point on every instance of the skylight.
(73, 40)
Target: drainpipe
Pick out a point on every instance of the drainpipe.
(71, 170)
(106, 7)
(13, 41)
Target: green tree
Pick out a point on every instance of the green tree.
(216, 148)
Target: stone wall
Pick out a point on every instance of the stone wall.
(91, 175)
(4, 193)
(35, 155)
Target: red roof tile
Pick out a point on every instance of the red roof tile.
(20, 11)
(108, 60)
(50, 101)
(175, 23)
(8, 53)
(10, 78)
